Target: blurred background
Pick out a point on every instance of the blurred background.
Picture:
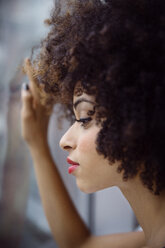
(22, 220)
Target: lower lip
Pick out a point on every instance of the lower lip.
(72, 168)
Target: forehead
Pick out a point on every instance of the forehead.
(84, 96)
(79, 93)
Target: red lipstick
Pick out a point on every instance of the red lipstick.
(73, 166)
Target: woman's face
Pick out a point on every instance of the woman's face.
(93, 172)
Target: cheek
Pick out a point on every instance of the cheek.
(87, 143)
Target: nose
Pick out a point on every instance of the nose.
(68, 141)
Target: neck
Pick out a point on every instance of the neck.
(149, 210)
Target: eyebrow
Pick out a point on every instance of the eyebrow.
(81, 100)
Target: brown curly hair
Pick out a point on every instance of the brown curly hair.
(118, 47)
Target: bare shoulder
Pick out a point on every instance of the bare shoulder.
(120, 240)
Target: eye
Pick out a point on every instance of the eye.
(84, 121)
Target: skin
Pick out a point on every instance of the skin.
(94, 173)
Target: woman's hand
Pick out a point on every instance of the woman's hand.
(34, 116)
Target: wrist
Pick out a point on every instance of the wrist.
(41, 147)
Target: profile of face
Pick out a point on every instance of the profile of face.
(93, 172)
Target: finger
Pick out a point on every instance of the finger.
(27, 100)
(32, 78)
(30, 70)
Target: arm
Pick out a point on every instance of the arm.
(67, 227)
(65, 223)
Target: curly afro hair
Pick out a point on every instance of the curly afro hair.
(115, 49)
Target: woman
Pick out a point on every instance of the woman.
(104, 62)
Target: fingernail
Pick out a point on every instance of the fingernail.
(25, 86)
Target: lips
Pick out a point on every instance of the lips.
(73, 166)
(71, 162)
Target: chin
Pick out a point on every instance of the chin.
(86, 188)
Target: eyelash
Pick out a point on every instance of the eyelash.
(84, 121)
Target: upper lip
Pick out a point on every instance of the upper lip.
(71, 162)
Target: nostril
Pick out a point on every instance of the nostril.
(66, 147)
